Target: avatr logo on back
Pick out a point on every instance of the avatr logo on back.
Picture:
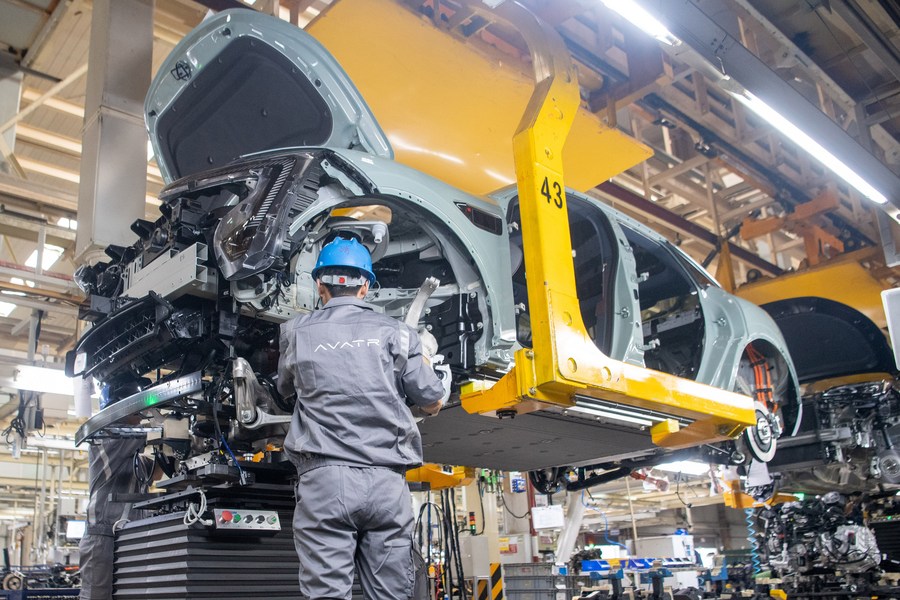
(326, 347)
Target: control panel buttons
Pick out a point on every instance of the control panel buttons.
(258, 520)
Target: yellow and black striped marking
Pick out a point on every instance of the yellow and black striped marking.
(483, 593)
(496, 582)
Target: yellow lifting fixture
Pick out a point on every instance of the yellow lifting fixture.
(439, 477)
(564, 362)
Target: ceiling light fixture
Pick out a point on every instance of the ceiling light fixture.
(646, 22)
(807, 143)
(643, 20)
(6, 308)
(44, 380)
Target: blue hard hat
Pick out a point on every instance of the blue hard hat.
(345, 253)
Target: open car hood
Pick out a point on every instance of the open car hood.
(243, 82)
(828, 339)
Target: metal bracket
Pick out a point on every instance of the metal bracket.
(150, 398)
(263, 418)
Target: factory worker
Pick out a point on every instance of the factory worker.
(360, 378)
(111, 465)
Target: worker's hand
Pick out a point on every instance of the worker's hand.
(429, 345)
(444, 375)
(417, 413)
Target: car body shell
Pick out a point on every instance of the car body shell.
(245, 87)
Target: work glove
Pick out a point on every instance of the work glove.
(443, 373)
(429, 345)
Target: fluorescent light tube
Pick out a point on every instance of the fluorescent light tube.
(44, 380)
(805, 142)
(647, 23)
(643, 20)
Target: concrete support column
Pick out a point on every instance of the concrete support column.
(113, 186)
(565, 545)
(10, 92)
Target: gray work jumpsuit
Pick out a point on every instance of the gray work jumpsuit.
(111, 471)
(352, 438)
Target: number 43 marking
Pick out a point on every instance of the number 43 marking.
(556, 196)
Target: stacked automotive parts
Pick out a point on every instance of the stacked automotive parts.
(828, 545)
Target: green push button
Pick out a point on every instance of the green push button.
(237, 518)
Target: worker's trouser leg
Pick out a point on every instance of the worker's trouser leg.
(96, 560)
(347, 516)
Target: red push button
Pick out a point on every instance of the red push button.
(226, 516)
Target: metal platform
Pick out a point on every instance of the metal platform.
(531, 441)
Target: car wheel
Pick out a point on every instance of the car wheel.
(12, 582)
(764, 377)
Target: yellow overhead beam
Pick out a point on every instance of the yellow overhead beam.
(450, 109)
(563, 362)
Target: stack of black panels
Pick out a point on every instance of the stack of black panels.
(160, 558)
(887, 536)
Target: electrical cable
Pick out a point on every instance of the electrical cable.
(450, 529)
(194, 514)
(141, 473)
(502, 495)
(480, 486)
(429, 543)
(221, 437)
(678, 491)
(233, 457)
(431, 506)
(457, 553)
(460, 574)
(447, 558)
(37, 330)
(17, 424)
(605, 521)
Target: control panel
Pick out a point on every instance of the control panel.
(246, 520)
